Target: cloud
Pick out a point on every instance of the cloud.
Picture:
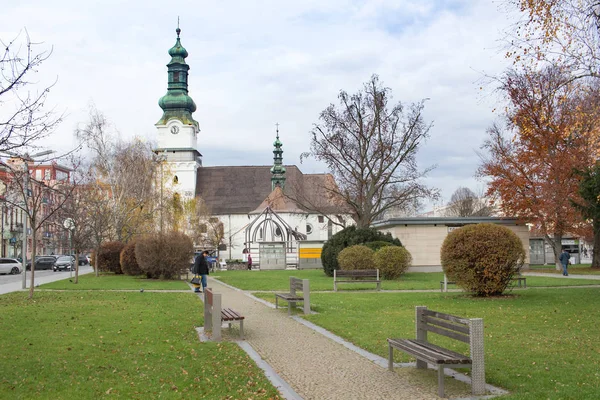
(253, 64)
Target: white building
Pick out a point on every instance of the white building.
(276, 212)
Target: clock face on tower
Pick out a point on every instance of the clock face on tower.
(175, 130)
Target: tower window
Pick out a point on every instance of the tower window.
(308, 229)
(321, 218)
(176, 76)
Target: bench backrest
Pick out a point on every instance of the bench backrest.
(465, 330)
(361, 273)
(212, 313)
(443, 324)
(208, 296)
(298, 284)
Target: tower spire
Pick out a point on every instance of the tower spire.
(278, 170)
(177, 103)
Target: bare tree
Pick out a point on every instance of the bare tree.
(199, 223)
(126, 171)
(40, 201)
(370, 147)
(465, 203)
(24, 119)
(81, 213)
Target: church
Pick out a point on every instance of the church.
(276, 213)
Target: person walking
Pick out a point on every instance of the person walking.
(564, 260)
(201, 268)
(249, 262)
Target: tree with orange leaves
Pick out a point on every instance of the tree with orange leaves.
(551, 129)
(562, 32)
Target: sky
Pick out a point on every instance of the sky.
(257, 63)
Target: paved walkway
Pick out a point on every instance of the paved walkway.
(559, 276)
(315, 366)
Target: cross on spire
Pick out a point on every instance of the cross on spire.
(277, 126)
(178, 30)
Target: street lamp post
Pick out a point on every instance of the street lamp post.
(69, 225)
(25, 159)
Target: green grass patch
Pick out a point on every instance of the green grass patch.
(539, 344)
(130, 345)
(115, 282)
(280, 281)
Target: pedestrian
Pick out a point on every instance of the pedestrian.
(564, 260)
(249, 262)
(201, 268)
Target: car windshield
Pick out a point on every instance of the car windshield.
(64, 258)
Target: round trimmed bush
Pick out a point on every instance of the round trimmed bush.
(482, 258)
(356, 257)
(164, 256)
(348, 237)
(109, 257)
(378, 245)
(129, 263)
(392, 261)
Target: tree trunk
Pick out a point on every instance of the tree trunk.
(596, 251)
(556, 243)
(33, 251)
(76, 267)
(96, 260)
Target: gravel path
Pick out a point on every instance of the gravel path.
(314, 366)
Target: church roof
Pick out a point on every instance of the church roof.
(278, 202)
(241, 189)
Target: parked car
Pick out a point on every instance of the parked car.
(42, 262)
(10, 266)
(83, 260)
(63, 263)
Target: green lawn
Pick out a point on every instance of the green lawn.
(279, 280)
(130, 345)
(115, 282)
(539, 344)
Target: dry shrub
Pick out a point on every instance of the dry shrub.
(356, 257)
(482, 258)
(109, 257)
(164, 255)
(392, 261)
(129, 263)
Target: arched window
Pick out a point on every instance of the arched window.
(175, 180)
(309, 229)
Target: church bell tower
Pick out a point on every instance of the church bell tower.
(177, 129)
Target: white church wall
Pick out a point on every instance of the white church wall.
(234, 226)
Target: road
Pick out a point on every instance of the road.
(13, 283)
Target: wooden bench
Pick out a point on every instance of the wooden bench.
(520, 279)
(465, 330)
(214, 315)
(292, 297)
(356, 276)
